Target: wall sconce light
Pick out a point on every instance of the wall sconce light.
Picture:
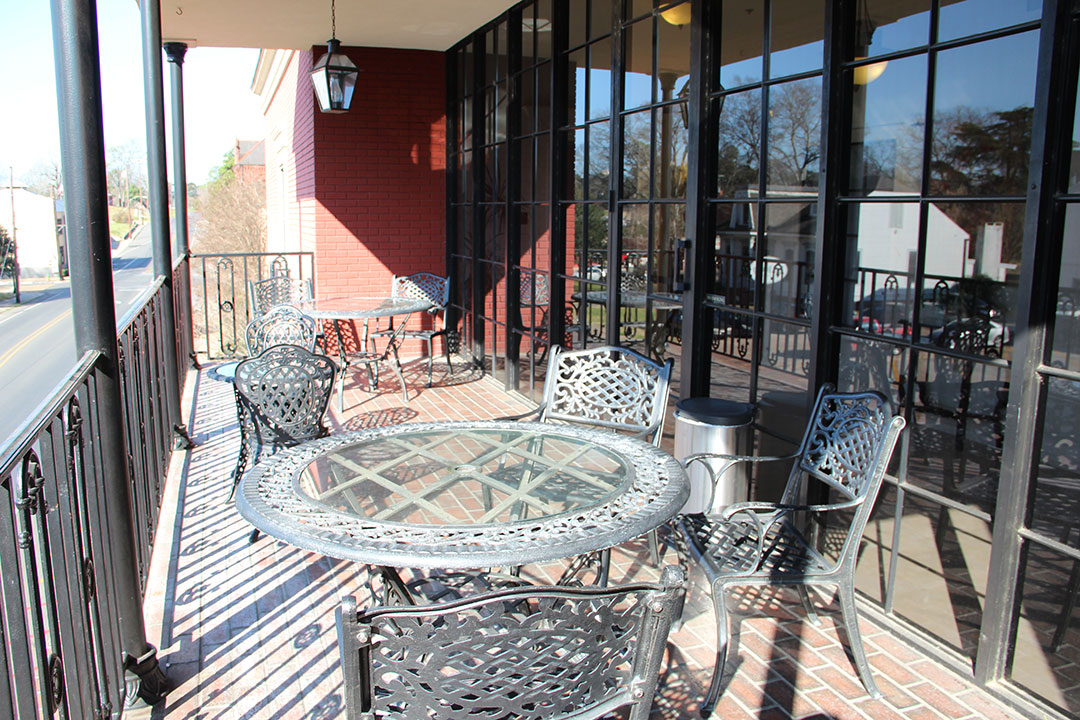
(334, 74)
(678, 15)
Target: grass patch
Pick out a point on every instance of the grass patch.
(119, 229)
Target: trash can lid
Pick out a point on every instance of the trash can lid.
(715, 411)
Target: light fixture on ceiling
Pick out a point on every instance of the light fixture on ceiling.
(864, 35)
(334, 74)
(678, 15)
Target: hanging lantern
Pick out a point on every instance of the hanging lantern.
(334, 74)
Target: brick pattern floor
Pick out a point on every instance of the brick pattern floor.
(247, 630)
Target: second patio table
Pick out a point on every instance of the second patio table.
(463, 494)
(343, 308)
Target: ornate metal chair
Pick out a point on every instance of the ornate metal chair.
(534, 295)
(281, 397)
(277, 290)
(531, 653)
(610, 387)
(847, 447)
(281, 325)
(606, 386)
(434, 289)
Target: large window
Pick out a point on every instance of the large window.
(587, 179)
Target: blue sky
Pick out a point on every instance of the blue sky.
(219, 105)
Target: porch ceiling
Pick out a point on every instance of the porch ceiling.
(299, 24)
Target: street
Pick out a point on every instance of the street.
(37, 337)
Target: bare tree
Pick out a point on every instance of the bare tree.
(45, 178)
(231, 217)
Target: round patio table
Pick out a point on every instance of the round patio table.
(338, 309)
(463, 494)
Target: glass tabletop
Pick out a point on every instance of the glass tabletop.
(347, 307)
(464, 476)
(463, 494)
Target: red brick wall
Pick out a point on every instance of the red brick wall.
(378, 175)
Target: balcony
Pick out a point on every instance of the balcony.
(247, 630)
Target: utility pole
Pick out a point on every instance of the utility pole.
(14, 242)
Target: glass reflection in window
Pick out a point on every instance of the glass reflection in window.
(982, 131)
(1065, 349)
(797, 37)
(739, 151)
(637, 78)
(970, 17)
(787, 268)
(887, 129)
(743, 27)
(794, 137)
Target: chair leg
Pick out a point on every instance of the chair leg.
(654, 548)
(430, 360)
(396, 367)
(804, 596)
(846, 594)
(253, 536)
(446, 351)
(723, 637)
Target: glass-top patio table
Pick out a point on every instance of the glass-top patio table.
(463, 494)
(338, 309)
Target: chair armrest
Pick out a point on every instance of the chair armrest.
(771, 510)
(522, 416)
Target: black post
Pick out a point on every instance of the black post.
(82, 148)
(159, 200)
(175, 52)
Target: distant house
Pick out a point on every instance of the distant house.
(249, 160)
(36, 231)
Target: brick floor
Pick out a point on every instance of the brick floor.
(247, 630)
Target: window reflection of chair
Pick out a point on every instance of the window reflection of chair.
(433, 289)
(535, 296)
(281, 397)
(281, 325)
(608, 387)
(847, 446)
(530, 652)
(964, 416)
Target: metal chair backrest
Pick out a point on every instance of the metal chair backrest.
(277, 290)
(423, 286)
(607, 386)
(847, 446)
(281, 325)
(281, 397)
(530, 653)
(534, 290)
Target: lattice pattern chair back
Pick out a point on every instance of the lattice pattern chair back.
(534, 289)
(277, 290)
(843, 447)
(281, 325)
(609, 387)
(423, 286)
(531, 653)
(281, 397)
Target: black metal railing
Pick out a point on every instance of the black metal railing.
(60, 643)
(181, 285)
(141, 345)
(220, 307)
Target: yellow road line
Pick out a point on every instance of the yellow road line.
(26, 340)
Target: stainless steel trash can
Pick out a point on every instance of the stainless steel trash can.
(718, 426)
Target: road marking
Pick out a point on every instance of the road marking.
(26, 340)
